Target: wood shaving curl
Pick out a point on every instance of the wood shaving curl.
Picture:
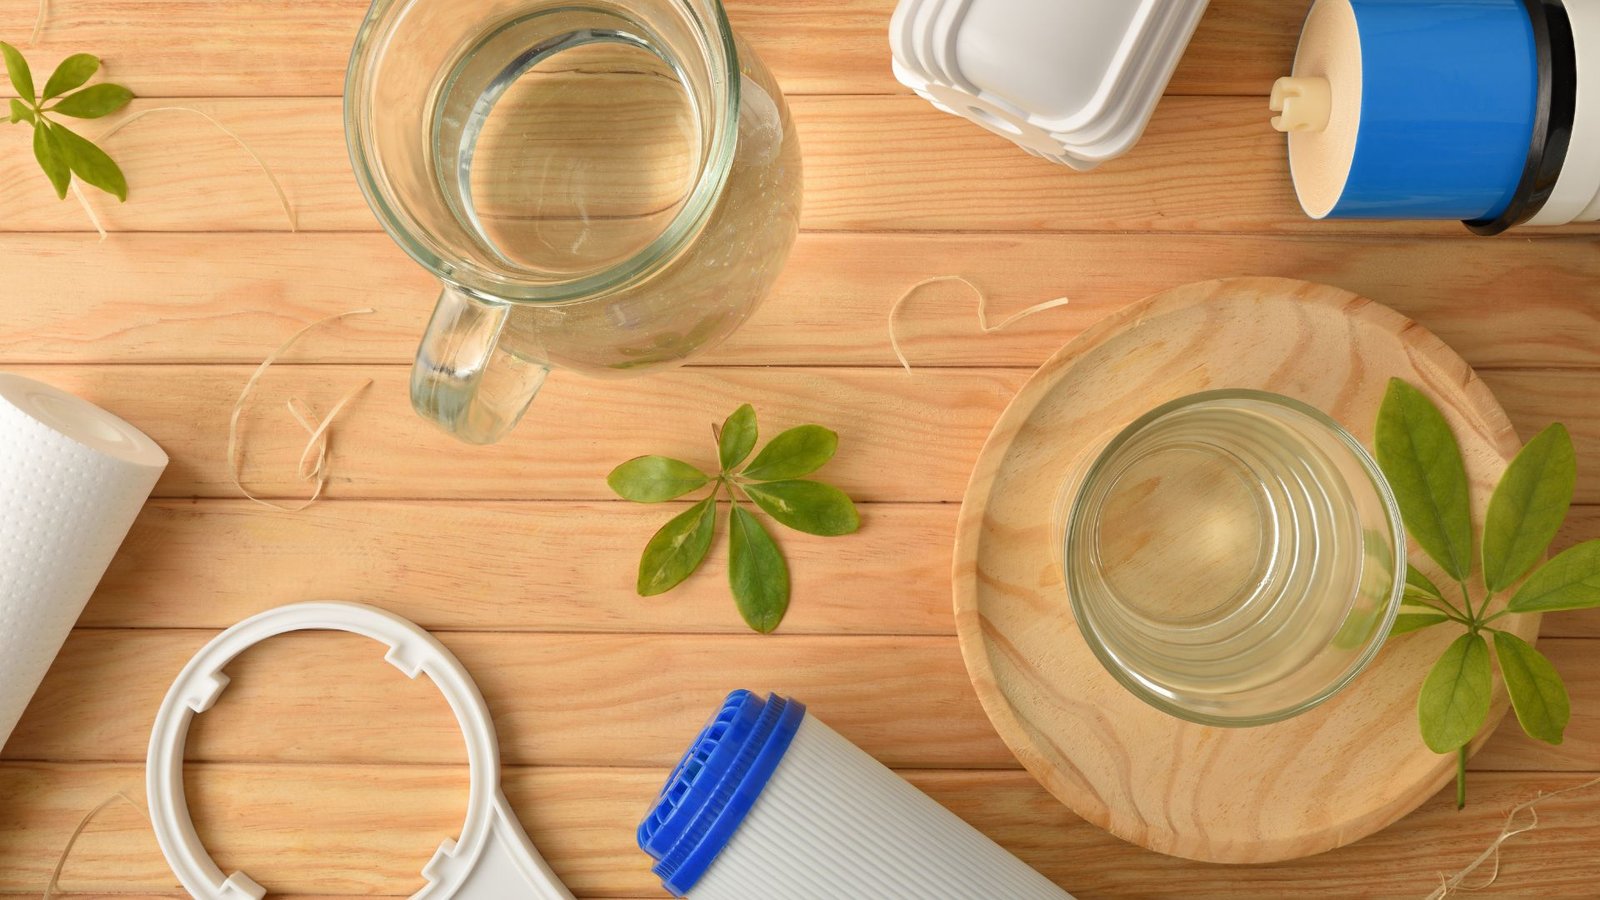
(277, 187)
(1491, 854)
(313, 466)
(52, 886)
(983, 311)
(38, 22)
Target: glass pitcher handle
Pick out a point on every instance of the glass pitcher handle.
(462, 381)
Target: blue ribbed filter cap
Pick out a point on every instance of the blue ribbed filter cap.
(715, 784)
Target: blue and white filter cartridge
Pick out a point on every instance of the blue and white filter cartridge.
(1487, 111)
(771, 803)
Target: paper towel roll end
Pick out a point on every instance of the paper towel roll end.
(81, 421)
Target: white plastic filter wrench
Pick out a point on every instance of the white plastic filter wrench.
(491, 860)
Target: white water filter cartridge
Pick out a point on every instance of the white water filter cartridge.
(1487, 111)
(771, 803)
(72, 479)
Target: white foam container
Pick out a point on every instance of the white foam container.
(1074, 81)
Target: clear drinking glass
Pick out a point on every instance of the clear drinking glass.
(1232, 557)
(600, 186)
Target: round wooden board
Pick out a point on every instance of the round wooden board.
(1249, 795)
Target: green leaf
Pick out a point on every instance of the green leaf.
(17, 70)
(808, 506)
(654, 479)
(47, 150)
(756, 572)
(1406, 622)
(737, 438)
(94, 101)
(1570, 581)
(91, 163)
(1455, 697)
(677, 549)
(1528, 507)
(72, 72)
(1421, 460)
(1417, 598)
(798, 451)
(20, 112)
(1418, 583)
(1537, 693)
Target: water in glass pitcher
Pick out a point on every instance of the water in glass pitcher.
(567, 139)
(573, 144)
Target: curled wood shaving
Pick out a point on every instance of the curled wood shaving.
(88, 210)
(1491, 854)
(54, 884)
(38, 22)
(277, 187)
(313, 466)
(983, 311)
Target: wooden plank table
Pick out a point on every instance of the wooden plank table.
(325, 775)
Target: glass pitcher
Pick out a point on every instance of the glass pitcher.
(607, 187)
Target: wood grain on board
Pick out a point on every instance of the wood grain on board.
(565, 566)
(143, 297)
(580, 428)
(521, 558)
(1204, 793)
(905, 699)
(872, 163)
(179, 48)
(314, 829)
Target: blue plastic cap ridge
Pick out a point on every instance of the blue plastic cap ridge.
(713, 787)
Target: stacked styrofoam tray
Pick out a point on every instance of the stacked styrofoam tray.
(1074, 81)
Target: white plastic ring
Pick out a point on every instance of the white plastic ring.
(493, 857)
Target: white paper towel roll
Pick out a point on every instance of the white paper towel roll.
(72, 479)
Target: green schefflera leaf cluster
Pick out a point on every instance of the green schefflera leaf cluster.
(61, 152)
(772, 482)
(1419, 456)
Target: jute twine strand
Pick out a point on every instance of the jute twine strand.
(313, 466)
(983, 311)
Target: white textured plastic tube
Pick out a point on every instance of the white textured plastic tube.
(72, 479)
(835, 824)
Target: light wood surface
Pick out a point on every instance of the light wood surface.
(138, 298)
(814, 47)
(639, 719)
(872, 162)
(583, 820)
(1202, 792)
(520, 558)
